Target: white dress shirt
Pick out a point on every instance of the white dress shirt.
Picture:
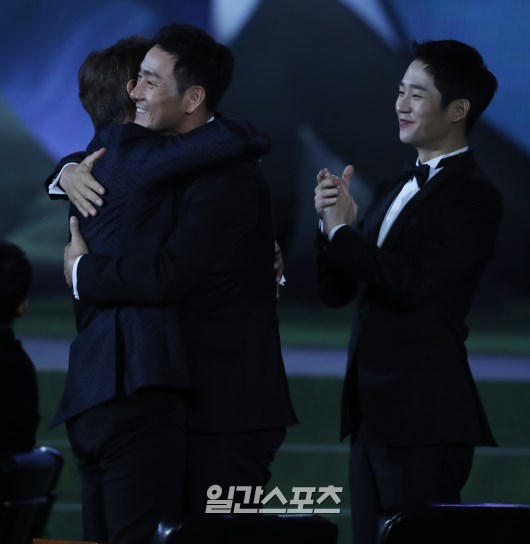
(407, 192)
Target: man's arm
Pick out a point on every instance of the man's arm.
(336, 208)
(81, 187)
(77, 247)
(52, 183)
(220, 212)
(152, 160)
(450, 243)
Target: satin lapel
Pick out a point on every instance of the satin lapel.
(452, 172)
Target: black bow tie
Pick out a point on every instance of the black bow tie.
(419, 171)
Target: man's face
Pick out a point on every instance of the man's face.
(159, 105)
(422, 123)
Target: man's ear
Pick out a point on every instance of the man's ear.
(21, 309)
(460, 109)
(195, 96)
(131, 84)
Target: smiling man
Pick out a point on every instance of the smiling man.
(124, 401)
(409, 400)
(166, 101)
(215, 270)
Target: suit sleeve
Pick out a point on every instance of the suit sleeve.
(155, 161)
(335, 287)
(218, 211)
(456, 242)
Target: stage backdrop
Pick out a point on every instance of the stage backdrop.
(319, 76)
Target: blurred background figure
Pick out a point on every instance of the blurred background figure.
(19, 399)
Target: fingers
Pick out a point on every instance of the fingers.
(82, 188)
(67, 275)
(329, 182)
(95, 190)
(89, 181)
(348, 173)
(322, 174)
(278, 262)
(74, 229)
(77, 245)
(326, 193)
(83, 202)
(73, 250)
(329, 187)
(93, 157)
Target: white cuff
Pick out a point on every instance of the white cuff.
(334, 230)
(54, 187)
(74, 277)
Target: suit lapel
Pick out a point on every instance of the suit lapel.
(452, 172)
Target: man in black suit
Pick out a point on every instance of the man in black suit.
(217, 267)
(124, 398)
(19, 397)
(409, 399)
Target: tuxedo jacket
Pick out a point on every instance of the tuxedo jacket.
(408, 376)
(216, 267)
(121, 348)
(19, 397)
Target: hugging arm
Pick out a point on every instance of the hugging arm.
(52, 180)
(220, 212)
(152, 160)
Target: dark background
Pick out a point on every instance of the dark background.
(320, 76)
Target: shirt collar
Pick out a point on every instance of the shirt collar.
(433, 163)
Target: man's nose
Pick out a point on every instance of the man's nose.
(135, 89)
(402, 104)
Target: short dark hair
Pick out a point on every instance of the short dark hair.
(458, 71)
(15, 280)
(199, 60)
(103, 78)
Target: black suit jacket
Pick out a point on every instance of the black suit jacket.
(217, 267)
(122, 348)
(408, 377)
(19, 397)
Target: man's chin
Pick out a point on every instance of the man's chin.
(406, 138)
(141, 122)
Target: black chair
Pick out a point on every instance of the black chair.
(28, 483)
(457, 524)
(247, 529)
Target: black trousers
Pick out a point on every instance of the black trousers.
(131, 456)
(386, 478)
(139, 464)
(228, 459)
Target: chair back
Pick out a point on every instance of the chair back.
(28, 483)
(247, 528)
(456, 524)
